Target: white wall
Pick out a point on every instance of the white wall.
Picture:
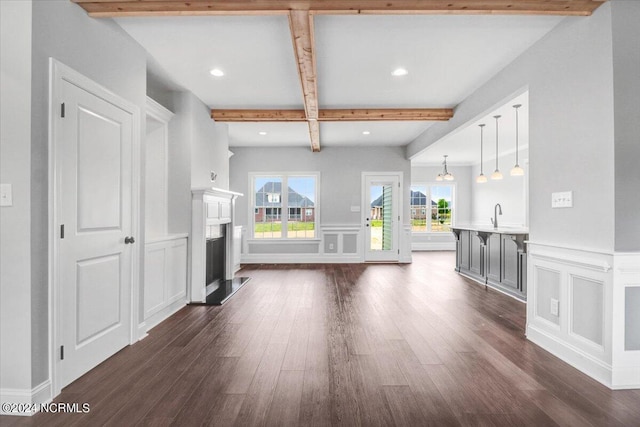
(341, 177)
(510, 192)
(626, 72)
(197, 145)
(15, 169)
(210, 147)
(569, 76)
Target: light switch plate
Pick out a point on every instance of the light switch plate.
(6, 198)
(562, 199)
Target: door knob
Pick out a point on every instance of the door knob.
(129, 240)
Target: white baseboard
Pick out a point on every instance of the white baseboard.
(142, 331)
(155, 319)
(300, 259)
(433, 246)
(41, 393)
(584, 362)
(625, 378)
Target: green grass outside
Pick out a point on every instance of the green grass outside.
(277, 226)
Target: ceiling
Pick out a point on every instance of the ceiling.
(447, 58)
(463, 145)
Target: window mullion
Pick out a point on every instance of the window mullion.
(284, 197)
(429, 209)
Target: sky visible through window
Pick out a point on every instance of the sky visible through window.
(304, 185)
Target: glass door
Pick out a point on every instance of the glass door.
(381, 217)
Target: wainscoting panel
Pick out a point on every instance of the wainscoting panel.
(626, 321)
(350, 243)
(598, 324)
(587, 305)
(548, 288)
(632, 318)
(582, 283)
(165, 279)
(336, 243)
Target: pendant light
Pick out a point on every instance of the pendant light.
(517, 170)
(445, 175)
(481, 178)
(496, 173)
(448, 176)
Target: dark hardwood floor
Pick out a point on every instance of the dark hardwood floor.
(406, 345)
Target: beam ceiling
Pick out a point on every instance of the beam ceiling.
(300, 14)
(301, 25)
(111, 8)
(335, 115)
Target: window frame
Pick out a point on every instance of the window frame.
(454, 209)
(284, 201)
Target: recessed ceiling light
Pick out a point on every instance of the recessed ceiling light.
(366, 132)
(399, 72)
(217, 72)
(262, 132)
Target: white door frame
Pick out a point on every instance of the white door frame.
(58, 72)
(365, 213)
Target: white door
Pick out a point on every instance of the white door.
(93, 191)
(381, 217)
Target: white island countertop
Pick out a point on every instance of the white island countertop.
(488, 229)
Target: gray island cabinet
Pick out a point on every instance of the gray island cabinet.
(493, 257)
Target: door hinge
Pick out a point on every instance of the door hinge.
(62, 231)
(398, 251)
(61, 352)
(62, 110)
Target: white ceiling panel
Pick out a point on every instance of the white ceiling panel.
(463, 146)
(380, 133)
(255, 53)
(295, 134)
(447, 57)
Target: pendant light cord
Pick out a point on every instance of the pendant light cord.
(516, 107)
(481, 148)
(496, 117)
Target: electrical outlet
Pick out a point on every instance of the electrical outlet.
(554, 306)
(331, 246)
(563, 199)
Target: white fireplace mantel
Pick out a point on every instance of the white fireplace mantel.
(209, 207)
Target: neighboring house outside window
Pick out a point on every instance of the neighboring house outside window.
(432, 208)
(270, 201)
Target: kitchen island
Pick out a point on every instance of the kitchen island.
(495, 257)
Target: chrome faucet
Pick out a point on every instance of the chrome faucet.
(496, 210)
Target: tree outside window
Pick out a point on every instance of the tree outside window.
(431, 208)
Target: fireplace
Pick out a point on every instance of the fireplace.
(212, 246)
(215, 257)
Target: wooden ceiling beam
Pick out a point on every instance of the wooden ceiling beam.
(301, 26)
(335, 115)
(386, 114)
(258, 115)
(114, 8)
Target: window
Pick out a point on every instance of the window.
(295, 195)
(431, 208)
